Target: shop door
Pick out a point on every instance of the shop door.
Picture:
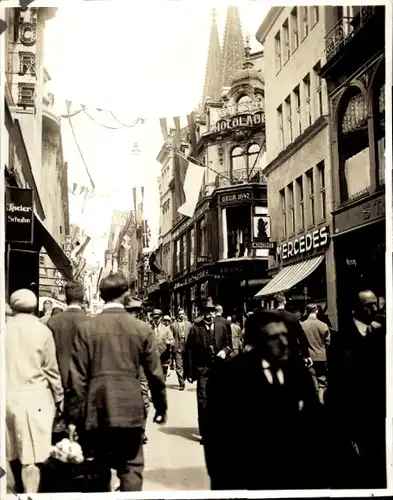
(23, 270)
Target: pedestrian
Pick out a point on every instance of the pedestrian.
(236, 331)
(205, 348)
(164, 339)
(166, 320)
(55, 310)
(322, 316)
(64, 325)
(108, 351)
(33, 391)
(261, 408)
(180, 330)
(47, 307)
(298, 344)
(220, 323)
(133, 306)
(318, 337)
(356, 394)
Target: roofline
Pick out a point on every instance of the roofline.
(267, 23)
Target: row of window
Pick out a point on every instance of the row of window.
(293, 31)
(301, 108)
(190, 245)
(303, 202)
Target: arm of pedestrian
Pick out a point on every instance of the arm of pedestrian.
(51, 369)
(327, 337)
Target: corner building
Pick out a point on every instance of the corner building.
(298, 158)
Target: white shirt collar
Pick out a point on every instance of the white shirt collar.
(114, 305)
(362, 327)
(268, 374)
(280, 307)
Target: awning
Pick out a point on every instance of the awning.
(290, 276)
(53, 249)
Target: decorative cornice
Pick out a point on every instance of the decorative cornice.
(298, 143)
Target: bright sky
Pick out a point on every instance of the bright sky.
(137, 58)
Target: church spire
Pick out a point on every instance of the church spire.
(233, 49)
(212, 87)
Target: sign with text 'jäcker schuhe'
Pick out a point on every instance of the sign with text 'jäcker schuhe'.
(19, 215)
(314, 240)
(243, 120)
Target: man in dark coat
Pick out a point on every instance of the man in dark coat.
(262, 415)
(205, 348)
(356, 395)
(298, 344)
(180, 329)
(108, 352)
(221, 324)
(64, 326)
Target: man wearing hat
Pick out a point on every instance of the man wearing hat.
(180, 329)
(205, 346)
(164, 339)
(133, 306)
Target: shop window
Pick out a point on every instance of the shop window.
(299, 184)
(237, 159)
(280, 121)
(291, 206)
(307, 95)
(252, 155)
(311, 198)
(353, 144)
(295, 29)
(277, 46)
(192, 247)
(322, 188)
(238, 231)
(184, 252)
(289, 118)
(287, 49)
(283, 213)
(177, 256)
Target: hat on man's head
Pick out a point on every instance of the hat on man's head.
(133, 303)
(207, 305)
(256, 322)
(166, 318)
(156, 312)
(23, 300)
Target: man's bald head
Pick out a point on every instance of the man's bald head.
(366, 306)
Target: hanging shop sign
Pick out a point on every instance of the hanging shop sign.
(263, 245)
(202, 260)
(243, 120)
(236, 197)
(19, 215)
(314, 240)
(191, 279)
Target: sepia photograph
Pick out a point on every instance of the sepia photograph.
(194, 292)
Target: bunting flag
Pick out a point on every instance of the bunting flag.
(78, 189)
(180, 166)
(192, 187)
(164, 130)
(176, 121)
(155, 264)
(192, 130)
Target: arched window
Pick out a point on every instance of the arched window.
(353, 144)
(244, 104)
(237, 159)
(252, 154)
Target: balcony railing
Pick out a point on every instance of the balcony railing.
(345, 30)
(242, 176)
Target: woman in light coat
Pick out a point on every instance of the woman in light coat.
(33, 390)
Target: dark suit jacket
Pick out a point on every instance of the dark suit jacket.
(64, 326)
(108, 352)
(256, 436)
(176, 334)
(298, 343)
(196, 347)
(223, 326)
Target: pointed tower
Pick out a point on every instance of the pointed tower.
(233, 48)
(212, 88)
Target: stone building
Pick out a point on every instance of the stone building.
(298, 157)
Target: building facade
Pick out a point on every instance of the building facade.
(354, 71)
(298, 157)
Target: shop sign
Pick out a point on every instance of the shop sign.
(264, 245)
(243, 120)
(191, 279)
(369, 211)
(202, 260)
(310, 241)
(19, 215)
(234, 198)
(230, 270)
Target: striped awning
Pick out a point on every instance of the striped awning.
(290, 276)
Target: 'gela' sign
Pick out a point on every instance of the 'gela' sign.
(240, 120)
(19, 215)
(305, 243)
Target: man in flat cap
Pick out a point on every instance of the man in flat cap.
(164, 338)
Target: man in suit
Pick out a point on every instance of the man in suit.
(106, 399)
(206, 346)
(356, 393)
(47, 307)
(164, 339)
(298, 344)
(221, 324)
(261, 408)
(64, 325)
(180, 329)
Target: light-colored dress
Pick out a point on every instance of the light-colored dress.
(33, 386)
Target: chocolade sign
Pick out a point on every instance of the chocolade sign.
(310, 241)
(246, 120)
(19, 215)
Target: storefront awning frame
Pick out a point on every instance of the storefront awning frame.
(289, 276)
